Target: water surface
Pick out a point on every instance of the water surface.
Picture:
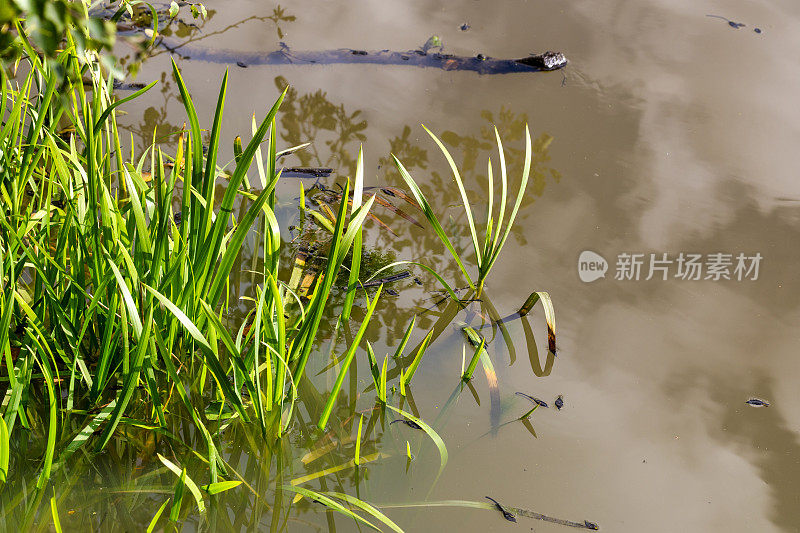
(669, 132)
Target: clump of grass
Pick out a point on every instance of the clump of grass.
(497, 227)
(108, 287)
(115, 269)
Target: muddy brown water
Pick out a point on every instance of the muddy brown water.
(668, 132)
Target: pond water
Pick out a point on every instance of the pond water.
(669, 132)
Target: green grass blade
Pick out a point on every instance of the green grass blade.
(156, 516)
(129, 385)
(220, 486)
(357, 459)
(52, 427)
(355, 267)
(237, 239)
(190, 484)
(319, 218)
(54, 512)
(213, 143)
(431, 433)
(118, 103)
(86, 433)
(412, 368)
(259, 399)
(406, 336)
(504, 183)
(348, 358)
(5, 446)
(142, 230)
(331, 504)
(209, 352)
(429, 214)
(280, 323)
(334, 262)
(177, 498)
(382, 386)
(220, 330)
(464, 198)
(194, 124)
(259, 157)
(467, 375)
(130, 306)
(520, 195)
(364, 506)
(214, 241)
(373, 366)
(487, 242)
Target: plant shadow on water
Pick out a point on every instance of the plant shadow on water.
(156, 375)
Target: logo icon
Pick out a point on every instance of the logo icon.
(591, 266)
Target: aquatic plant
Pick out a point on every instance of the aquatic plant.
(111, 288)
(116, 329)
(497, 229)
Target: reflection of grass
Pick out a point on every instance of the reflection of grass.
(313, 116)
(279, 15)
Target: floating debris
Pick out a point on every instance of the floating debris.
(559, 403)
(409, 423)
(388, 279)
(547, 61)
(732, 24)
(433, 42)
(756, 402)
(537, 401)
(316, 172)
(135, 86)
(508, 516)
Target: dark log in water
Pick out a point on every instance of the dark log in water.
(415, 58)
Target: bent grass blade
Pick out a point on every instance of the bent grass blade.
(549, 315)
(330, 503)
(185, 479)
(437, 440)
(364, 506)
